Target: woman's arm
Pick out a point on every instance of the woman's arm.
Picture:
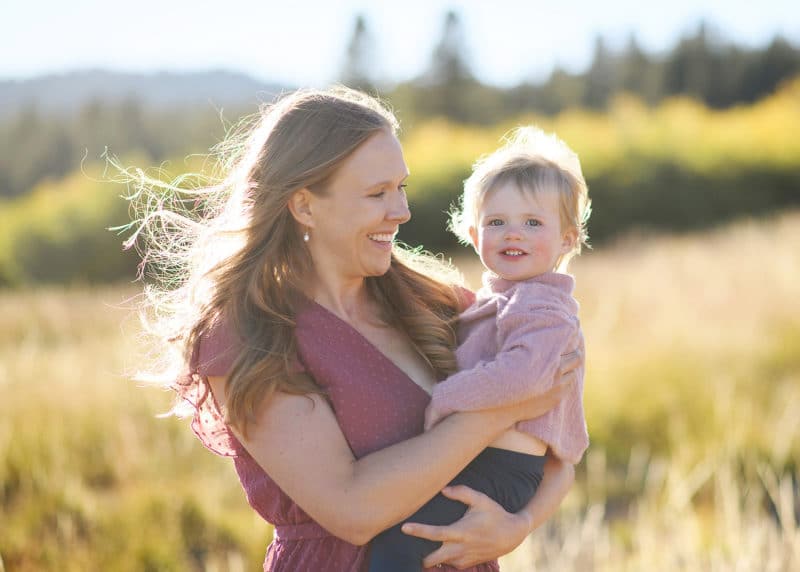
(487, 531)
(530, 341)
(556, 482)
(298, 442)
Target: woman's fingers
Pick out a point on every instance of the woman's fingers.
(485, 532)
(570, 361)
(465, 494)
(444, 554)
(566, 382)
(429, 531)
(544, 402)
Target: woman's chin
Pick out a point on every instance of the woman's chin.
(379, 268)
(381, 271)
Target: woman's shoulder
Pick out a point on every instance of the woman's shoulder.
(215, 352)
(217, 349)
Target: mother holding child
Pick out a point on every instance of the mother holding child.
(310, 344)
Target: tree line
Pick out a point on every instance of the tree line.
(35, 146)
(702, 65)
(678, 166)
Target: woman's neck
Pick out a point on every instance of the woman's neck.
(347, 298)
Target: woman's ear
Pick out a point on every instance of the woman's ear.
(300, 205)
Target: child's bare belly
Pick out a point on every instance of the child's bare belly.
(514, 440)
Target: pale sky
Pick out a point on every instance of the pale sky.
(303, 42)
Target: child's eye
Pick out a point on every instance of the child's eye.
(533, 222)
(494, 222)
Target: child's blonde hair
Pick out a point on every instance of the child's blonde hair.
(534, 161)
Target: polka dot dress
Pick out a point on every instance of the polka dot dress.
(376, 405)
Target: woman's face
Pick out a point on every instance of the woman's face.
(356, 220)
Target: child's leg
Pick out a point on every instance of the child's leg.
(394, 551)
(508, 477)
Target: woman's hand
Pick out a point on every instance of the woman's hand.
(544, 402)
(484, 533)
(487, 531)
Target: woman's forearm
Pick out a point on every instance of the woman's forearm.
(298, 442)
(556, 483)
(394, 482)
(401, 478)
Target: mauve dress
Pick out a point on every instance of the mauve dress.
(376, 405)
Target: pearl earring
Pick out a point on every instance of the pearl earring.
(305, 236)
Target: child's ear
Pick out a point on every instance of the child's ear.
(300, 205)
(473, 235)
(568, 240)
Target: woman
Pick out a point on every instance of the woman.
(312, 343)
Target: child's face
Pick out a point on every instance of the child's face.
(518, 234)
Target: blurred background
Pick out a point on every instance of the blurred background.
(686, 118)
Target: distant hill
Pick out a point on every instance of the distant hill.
(66, 93)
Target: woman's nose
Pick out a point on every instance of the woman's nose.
(398, 209)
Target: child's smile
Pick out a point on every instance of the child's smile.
(518, 235)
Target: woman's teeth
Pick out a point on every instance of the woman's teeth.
(381, 237)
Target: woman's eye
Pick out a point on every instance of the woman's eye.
(403, 187)
(379, 194)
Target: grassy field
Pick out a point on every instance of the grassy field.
(693, 388)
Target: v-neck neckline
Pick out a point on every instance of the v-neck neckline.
(371, 345)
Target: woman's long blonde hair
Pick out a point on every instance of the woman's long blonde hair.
(232, 251)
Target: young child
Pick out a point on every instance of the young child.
(524, 209)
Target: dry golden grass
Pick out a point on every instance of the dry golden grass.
(693, 382)
(89, 478)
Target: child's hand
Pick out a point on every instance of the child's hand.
(432, 417)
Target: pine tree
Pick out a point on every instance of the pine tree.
(357, 69)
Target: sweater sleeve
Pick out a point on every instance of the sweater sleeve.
(531, 338)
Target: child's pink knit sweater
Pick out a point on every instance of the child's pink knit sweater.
(512, 339)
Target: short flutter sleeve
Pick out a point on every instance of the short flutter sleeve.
(214, 355)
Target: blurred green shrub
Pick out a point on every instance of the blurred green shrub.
(679, 166)
(58, 234)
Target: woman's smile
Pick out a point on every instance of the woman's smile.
(383, 241)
